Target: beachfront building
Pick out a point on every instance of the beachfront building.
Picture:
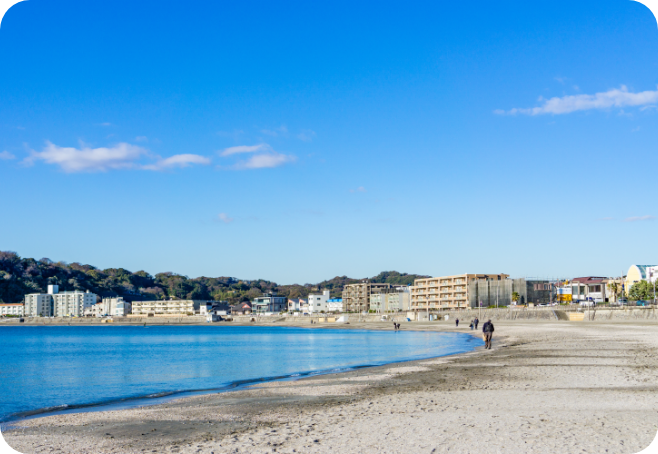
(59, 304)
(637, 273)
(356, 297)
(243, 308)
(335, 305)
(166, 308)
(215, 308)
(590, 288)
(115, 307)
(295, 304)
(451, 292)
(11, 309)
(318, 303)
(269, 303)
(394, 299)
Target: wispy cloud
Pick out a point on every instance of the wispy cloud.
(235, 134)
(359, 189)
(306, 135)
(141, 139)
(6, 156)
(276, 132)
(102, 159)
(107, 123)
(178, 161)
(265, 161)
(245, 149)
(605, 219)
(640, 218)
(616, 97)
(223, 217)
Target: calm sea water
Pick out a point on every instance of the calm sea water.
(59, 367)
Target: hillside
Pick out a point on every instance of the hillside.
(19, 276)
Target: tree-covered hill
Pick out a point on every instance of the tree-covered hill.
(19, 276)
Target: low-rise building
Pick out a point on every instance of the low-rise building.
(318, 303)
(12, 309)
(637, 273)
(590, 288)
(335, 305)
(215, 308)
(243, 308)
(356, 297)
(165, 308)
(295, 304)
(269, 303)
(116, 307)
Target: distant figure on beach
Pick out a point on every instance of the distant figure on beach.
(488, 330)
(472, 324)
(398, 326)
(477, 322)
(395, 326)
(457, 322)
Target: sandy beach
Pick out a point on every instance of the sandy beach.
(545, 387)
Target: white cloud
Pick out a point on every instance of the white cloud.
(5, 156)
(85, 159)
(616, 97)
(141, 139)
(306, 135)
(178, 161)
(121, 156)
(265, 161)
(245, 149)
(640, 218)
(359, 189)
(223, 217)
(107, 123)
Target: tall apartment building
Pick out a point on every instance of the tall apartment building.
(356, 297)
(58, 304)
(116, 307)
(449, 292)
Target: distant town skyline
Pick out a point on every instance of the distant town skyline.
(296, 142)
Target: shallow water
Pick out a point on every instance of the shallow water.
(50, 367)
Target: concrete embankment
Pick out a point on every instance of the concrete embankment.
(540, 314)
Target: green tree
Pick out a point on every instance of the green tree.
(515, 296)
(642, 290)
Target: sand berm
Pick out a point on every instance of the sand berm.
(545, 387)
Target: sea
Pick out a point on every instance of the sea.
(62, 369)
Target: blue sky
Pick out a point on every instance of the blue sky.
(295, 142)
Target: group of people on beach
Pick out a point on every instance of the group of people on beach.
(487, 330)
(396, 326)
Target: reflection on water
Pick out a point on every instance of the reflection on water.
(51, 366)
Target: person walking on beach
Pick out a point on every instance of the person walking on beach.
(457, 322)
(472, 324)
(476, 321)
(488, 330)
(395, 326)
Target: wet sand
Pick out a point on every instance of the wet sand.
(545, 387)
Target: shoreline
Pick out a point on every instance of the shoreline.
(544, 387)
(126, 403)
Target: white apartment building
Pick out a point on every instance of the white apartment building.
(15, 309)
(318, 303)
(165, 308)
(59, 304)
(116, 307)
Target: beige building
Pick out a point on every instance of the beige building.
(395, 299)
(356, 297)
(163, 308)
(448, 292)
(15, 309)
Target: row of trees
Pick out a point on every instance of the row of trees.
(19, 276)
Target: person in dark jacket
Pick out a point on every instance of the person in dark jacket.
(488, 330)
(457, 322)
(477, 322)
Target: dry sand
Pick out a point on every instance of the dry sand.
(545, 387)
